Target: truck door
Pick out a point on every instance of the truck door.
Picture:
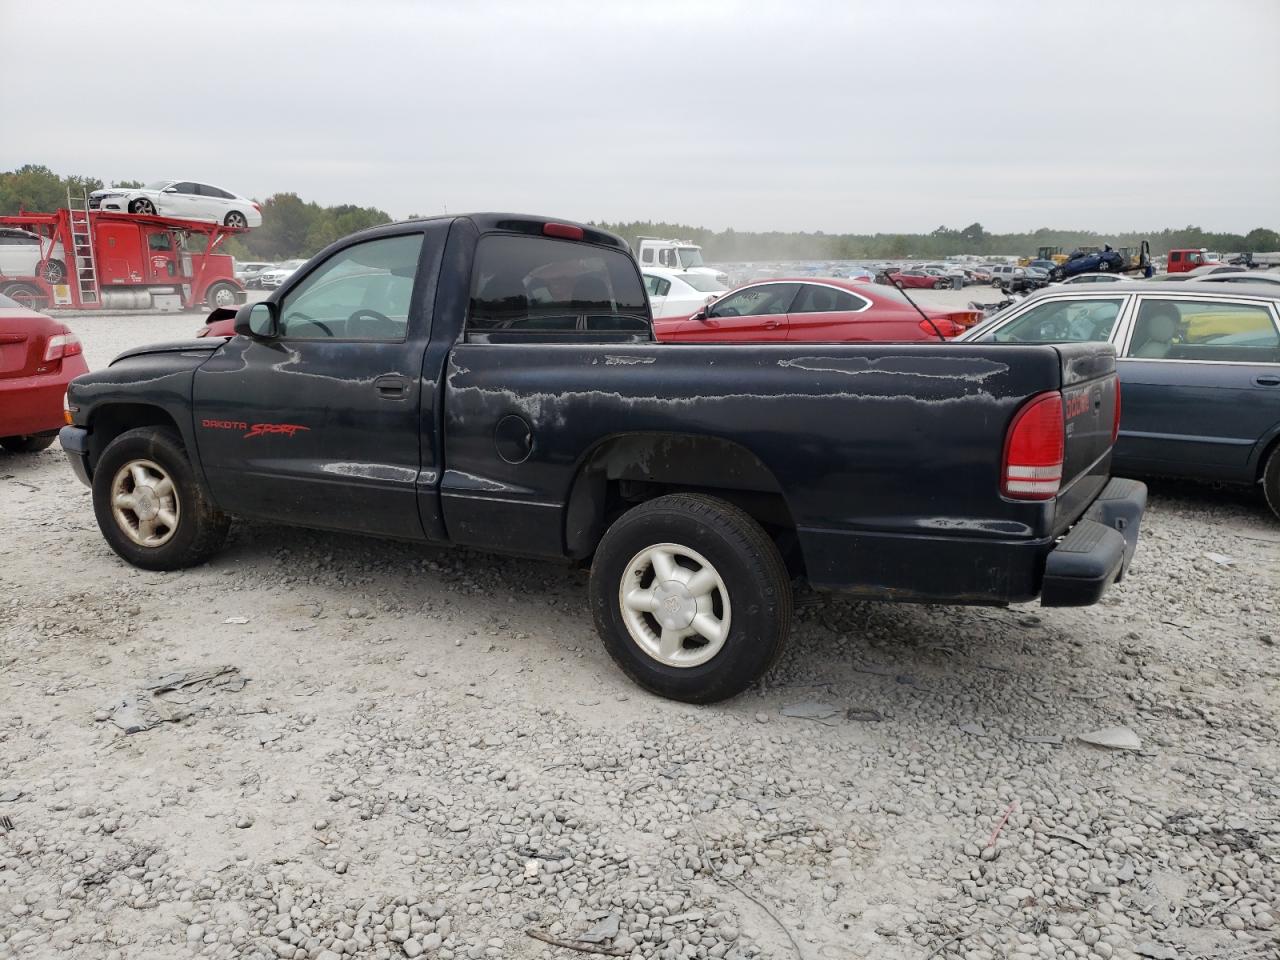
(319, 425)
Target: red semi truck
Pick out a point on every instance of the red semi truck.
(89, 259)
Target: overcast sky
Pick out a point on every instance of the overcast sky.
(842, 117)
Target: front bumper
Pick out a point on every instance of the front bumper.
(1097, 550)
(75, 444)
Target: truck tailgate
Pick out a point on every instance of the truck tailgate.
(1090, 399)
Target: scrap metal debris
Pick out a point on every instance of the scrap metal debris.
(6, 825)
(146, 708)
(812, 710)
(1113, 738)
(606, 928)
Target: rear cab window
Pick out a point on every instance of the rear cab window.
(536, 287)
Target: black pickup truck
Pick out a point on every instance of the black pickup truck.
(492, 381)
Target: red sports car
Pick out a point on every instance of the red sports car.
(812, 309)
(807, 309)
(38, 358)
(919, 278)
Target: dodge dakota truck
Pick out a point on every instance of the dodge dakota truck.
(492, 381)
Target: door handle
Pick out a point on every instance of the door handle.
(392, 386)
(771, 324)
(1267, 380)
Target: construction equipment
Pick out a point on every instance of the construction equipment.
(126, 261)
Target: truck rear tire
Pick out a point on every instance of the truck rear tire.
(690, 597)
(149, 506)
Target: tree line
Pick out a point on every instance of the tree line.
(732, 245)
(293, 227)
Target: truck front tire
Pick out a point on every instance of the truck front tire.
(690, 597)
(149, 506)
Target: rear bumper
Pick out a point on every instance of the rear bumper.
(1097, 551)
(75, 444)
(30, 405)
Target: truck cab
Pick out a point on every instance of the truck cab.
(674, 255)
(1184, 261)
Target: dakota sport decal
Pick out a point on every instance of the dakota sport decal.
(257, 430)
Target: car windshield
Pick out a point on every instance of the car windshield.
(703, 283)
(1062, 320)
(158, 185)
(689, 256)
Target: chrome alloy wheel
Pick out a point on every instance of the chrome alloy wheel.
(675, 605)
(144, 503)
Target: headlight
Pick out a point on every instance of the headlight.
(104, 196)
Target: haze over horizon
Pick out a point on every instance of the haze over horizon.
(834, 117)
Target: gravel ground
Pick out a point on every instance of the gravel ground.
(433, 755)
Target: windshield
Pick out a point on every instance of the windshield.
(689, 256)
(703, 283)
(158, 185)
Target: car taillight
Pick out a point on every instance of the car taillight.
(1115, 419)
(62, 345)
(1033, 450)
(940, 326)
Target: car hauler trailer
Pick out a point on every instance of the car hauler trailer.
(124, 261)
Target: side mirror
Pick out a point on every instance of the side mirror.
(258, 320)
(169, 190)
(702, 314)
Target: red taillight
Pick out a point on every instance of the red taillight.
(1033, 450)
(257, 207)
(940, 325)
(565, 230)
(1115, 420)
(62, 345)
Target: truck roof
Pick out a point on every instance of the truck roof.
(507, 223)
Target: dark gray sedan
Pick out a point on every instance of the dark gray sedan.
(1199, 370)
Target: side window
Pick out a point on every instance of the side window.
(651, 284)
(360, 293)
(817, 298)
(159, 241)
(1059, 321)
(664, 287)
(764, 300)
(1204, 330)
(647, 256)
(1175, 257)
(189, 188)
(534, 285)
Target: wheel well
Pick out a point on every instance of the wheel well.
(113, 420)
(623, 471)
(1266, 456)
